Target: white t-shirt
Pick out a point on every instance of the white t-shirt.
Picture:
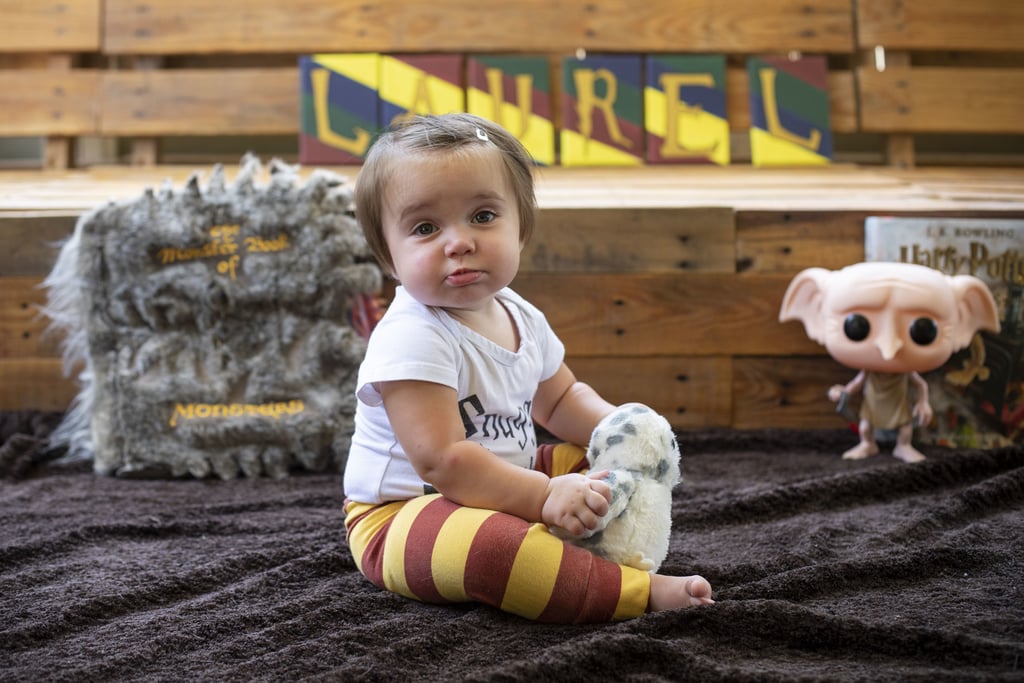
(495, 389)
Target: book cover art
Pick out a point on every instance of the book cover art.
(978, 395)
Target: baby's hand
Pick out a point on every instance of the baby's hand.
(576, 502)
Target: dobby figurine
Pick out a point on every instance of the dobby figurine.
(892, 322)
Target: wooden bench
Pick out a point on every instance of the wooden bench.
(664, 283)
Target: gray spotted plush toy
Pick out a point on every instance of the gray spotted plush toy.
(638, 448)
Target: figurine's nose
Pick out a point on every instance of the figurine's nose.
(888, 340)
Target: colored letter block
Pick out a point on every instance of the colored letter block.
(684, 110)
(602, 111)
(420, 84)
(515, 93)
(789, 114)
(338, 106)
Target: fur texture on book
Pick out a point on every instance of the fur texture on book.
(218, 329)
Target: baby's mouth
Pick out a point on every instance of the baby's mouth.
(463, 276)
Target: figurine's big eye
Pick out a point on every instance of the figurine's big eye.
(924, 331)
(856, 327)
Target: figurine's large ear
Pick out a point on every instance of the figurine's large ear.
(804, 300)
(975, 307)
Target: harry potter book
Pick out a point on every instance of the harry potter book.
(978, 395)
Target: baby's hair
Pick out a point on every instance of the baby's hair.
(445, 132)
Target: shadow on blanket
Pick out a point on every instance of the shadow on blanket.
(824, 570)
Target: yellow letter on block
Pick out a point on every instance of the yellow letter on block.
(587, 100)
(320, 79)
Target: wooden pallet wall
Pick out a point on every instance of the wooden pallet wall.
(664, 285)
(153, 70)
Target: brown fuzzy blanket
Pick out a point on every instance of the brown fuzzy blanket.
(823, 570)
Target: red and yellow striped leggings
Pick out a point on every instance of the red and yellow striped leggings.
(433, 550)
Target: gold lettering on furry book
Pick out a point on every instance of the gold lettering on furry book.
(206, 411)
(224, 247)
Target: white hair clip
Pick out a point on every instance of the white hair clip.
(482, 134)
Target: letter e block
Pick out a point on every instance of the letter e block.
(684, 110)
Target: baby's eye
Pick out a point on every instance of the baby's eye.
(424, 229)
(485, 216)
(923, 331)
(856, 327)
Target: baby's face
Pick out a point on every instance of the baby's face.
(451, 224)
(884, 323)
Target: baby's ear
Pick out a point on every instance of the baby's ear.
(805, 301)
(976, 309)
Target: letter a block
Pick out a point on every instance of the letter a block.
(602, 111)
(514, 92)
(420, 84)
(338, 107)
(684, 110)
(789, 113)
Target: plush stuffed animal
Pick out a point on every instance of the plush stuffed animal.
(638, 448)
(220, 328)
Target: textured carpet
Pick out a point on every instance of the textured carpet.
(823, 570)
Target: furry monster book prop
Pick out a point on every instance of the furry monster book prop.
(220, 328)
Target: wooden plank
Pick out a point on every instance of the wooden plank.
(789, 241)
(29, 241)
(50, 26)
(48, 102)
(941, 100)
(652, 314)
(786, 393)
(838, 187)
(842, 100)
(627, 240)
(988, 25)
(690, 392)
(199, 26)
(22, 324)
(34, 384)
(199, 102)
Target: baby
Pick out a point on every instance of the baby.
(448, 496)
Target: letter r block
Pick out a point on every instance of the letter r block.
(602, 111)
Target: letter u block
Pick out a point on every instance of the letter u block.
(789, 112)
(339, 107)
(602, 111)
(515, 93)
(685, 110)
(420, 84)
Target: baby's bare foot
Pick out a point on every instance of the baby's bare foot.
(671, 592)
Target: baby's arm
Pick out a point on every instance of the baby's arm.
(427, 423)
(568, 408)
